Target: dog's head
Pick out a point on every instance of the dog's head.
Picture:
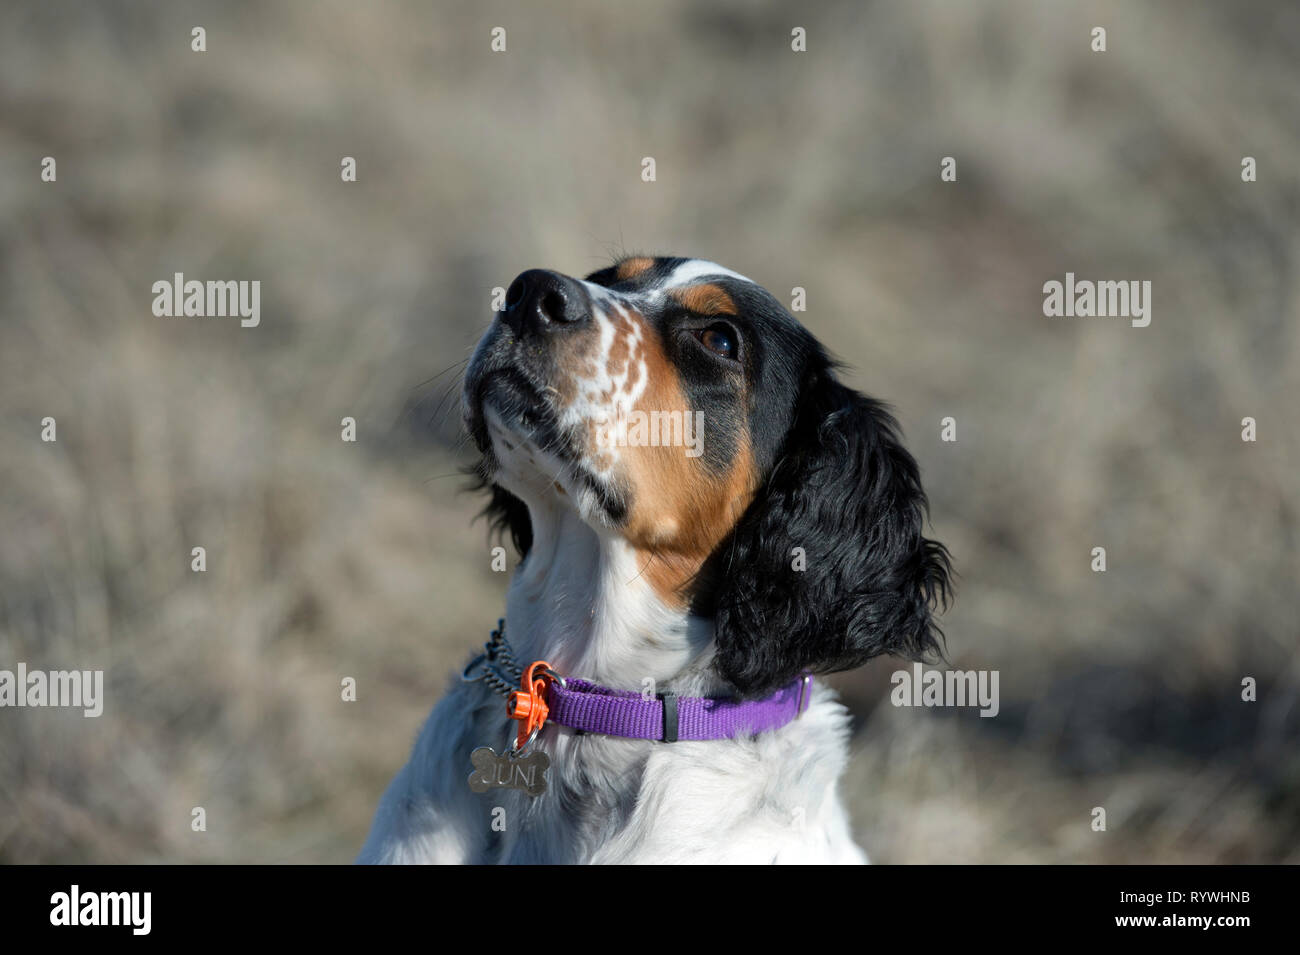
(678, 404)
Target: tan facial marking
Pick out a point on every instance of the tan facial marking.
(705, 300)
(705, 510)
(680, 511)
(603, 374)
(631, 268)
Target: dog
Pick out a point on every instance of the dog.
(690, 577)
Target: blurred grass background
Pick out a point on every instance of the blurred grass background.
(818, 169)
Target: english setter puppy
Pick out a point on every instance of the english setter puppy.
(707, 518)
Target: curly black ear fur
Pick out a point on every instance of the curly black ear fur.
(846, 491)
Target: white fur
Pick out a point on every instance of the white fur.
(605, 398)
(688, 273)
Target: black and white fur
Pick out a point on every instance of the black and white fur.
(829, 475)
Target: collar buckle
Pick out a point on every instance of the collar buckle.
(805, 694)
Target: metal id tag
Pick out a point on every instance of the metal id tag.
(507, 771)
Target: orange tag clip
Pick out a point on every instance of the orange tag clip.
(528, 703)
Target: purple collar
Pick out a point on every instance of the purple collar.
(585, 706)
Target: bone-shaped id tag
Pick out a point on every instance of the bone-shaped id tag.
(507, 771)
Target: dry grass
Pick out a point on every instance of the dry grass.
(329, 559)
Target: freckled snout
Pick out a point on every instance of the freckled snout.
(541, 302)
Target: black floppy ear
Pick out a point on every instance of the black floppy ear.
(848, 494)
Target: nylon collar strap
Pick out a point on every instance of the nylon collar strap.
(582, 705)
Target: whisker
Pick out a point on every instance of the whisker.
(457, 364)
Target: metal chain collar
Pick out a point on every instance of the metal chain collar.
(496, 665)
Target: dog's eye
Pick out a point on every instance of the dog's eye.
(719, 339)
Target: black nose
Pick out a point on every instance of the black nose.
(542, 301)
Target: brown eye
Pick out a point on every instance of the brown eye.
(719, 339)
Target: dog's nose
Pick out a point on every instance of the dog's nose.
(543, 301)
